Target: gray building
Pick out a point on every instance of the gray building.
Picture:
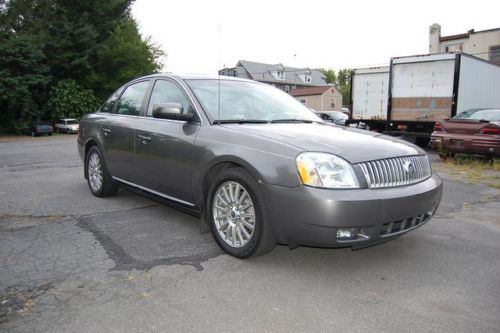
(283, 77)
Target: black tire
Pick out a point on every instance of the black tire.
(443, 155)
(262, 240)
(50, 134)
(108, 187)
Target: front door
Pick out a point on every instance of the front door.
(118, 131)
(164, 148)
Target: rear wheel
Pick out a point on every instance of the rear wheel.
(238, 215)
(444, 155)
(98, 178)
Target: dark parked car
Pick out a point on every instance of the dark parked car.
(38, 128)
(475, 131)
(256, 165)
(336, 117)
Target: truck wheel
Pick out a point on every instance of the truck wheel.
(98, 178)
(238, 215)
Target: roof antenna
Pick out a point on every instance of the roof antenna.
(218, 75)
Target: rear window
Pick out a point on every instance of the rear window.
(489, 115)
(71, 122)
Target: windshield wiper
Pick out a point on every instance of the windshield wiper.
(240, 121)
(291, 120)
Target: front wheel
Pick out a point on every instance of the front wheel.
(98, 178)
(238, 215)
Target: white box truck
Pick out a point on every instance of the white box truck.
(408, 97)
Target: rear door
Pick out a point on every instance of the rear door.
(164, 148)
(118, 131)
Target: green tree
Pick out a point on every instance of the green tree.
(342, 82)
(124, 56)
(68, 100)
(95, 43)
(23, 80)
(330, 75)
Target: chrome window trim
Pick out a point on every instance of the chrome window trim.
(153, 192)
(150, 118)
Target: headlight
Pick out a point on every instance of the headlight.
(326, 170)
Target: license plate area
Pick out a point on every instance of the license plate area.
(457, 143)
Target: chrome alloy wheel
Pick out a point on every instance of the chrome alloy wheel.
(95, 172)
(234, 214)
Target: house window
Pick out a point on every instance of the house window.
(303, 100)
(495, 54)
(332, 104)
(280, 75)
(307, 78)
(454, 48)
(287, 88)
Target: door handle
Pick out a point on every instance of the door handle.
(145, 139)
(106, 130)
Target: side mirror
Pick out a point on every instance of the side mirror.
(172, 111)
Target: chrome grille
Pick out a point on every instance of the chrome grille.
(397, 171)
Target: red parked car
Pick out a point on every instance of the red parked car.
(475, 131)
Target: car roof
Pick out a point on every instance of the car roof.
(197, 77)
(67, 119)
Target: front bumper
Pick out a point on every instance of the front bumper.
(311, 216)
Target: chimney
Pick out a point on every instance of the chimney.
(434, 35)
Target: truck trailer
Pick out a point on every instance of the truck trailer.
(407, 97)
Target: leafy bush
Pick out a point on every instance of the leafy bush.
(68, 100)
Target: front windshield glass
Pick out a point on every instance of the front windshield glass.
(489, 115)
(71, 122)
(339, 116)
(248, 101)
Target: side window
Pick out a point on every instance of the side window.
(131, 99)
(108, 105)
(167, 92)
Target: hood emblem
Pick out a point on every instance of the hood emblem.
(409, 168)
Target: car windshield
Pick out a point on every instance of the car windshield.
(489, 115)
(243, 101)
(466, 114)
(71, 122)
(339, 115)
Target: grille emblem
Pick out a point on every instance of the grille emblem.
(409, 168)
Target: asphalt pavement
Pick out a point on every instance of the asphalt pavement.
(71, 262)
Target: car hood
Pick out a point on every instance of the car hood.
(354, 145)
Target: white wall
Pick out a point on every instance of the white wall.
(479, 84)
(370, 93)
(423, 79)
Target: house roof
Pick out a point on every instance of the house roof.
(453, 37)
(263, 73)
(310, 91)
(465, 35)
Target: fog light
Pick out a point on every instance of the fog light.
(347, 233)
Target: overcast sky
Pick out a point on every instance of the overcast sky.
(202, 36)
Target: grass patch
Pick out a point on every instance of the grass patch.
(472, 169)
